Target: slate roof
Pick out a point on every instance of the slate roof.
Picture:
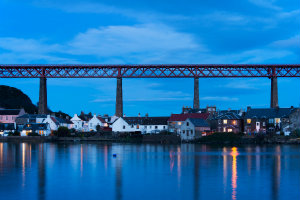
(199, 122)
(146, 120)
(228, 115)
(101, 119)
(266, 113)
(10, 111)
(32, 116)
(183, 117)
(35, 126)
(7, 126)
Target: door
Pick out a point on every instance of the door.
(257, 126)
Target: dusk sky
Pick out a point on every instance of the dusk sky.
(152, 32)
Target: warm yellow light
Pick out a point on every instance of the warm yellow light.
(225, 121)
(248, 121)
(234, 122)
(179, 123)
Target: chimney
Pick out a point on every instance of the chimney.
(139, 115)
(248, 108)
(147, 115)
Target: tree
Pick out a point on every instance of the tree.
(62, 132)
(98, 128)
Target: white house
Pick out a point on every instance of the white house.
(78, 123)
(95, 121)
(151, 125)
(52, 121)
(39, 128)
(192, 128)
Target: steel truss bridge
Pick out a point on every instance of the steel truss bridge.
(149, 71)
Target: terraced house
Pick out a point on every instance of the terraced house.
(150, 125)
(230, 121)
(266, 120)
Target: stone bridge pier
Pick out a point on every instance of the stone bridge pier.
(119, 98)
(196, 104)
(274, 92)
(43, 96)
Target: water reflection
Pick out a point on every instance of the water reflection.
(89, 171)
(234, 154)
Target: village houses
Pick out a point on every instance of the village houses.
(194, 128)
(145, 125)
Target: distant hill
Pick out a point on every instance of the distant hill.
(13, 98)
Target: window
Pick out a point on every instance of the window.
(225, 121)
(187, 123)
(137, 126)
(271, 121)
(123, 127)
(229, 130)
(224, 129)
(91, 124)
(145, 127)
(183, 131)
(219, 121)
(277, 120)
(234, 122)
(264, 123)
(187, 133)
(191, 132)
(179, 123)
(150, 127)
(164, 127)
(6, 117)
(132, 126)
(248, 121)
(155, 127)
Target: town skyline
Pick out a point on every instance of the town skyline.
(251, 31)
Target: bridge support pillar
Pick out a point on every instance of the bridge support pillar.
(43, 96)
(274, 92)
(119, 98)
(196, 93)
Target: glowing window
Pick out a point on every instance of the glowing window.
(229, 130)
(179, 123)
(234, 122)
(225, 121)
(248, 121)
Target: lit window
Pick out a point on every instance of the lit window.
(137, 126)
(248, 121)
(224, 129)
(234, 122)
(277, 120)
(179, 123)
(225, 121)
(229, 130)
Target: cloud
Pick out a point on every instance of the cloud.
(292, 42)
(266, 4)
(219, 98)
(138, 39)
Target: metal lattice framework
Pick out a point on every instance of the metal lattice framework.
(148, 71)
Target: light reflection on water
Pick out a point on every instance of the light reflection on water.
(89, 171)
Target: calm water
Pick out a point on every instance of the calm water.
(89, 171)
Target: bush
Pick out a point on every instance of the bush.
(15, 133)
(62, 132)
(33, 134)
(222, 138)
(295, 133)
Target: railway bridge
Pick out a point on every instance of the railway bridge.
(195, 71)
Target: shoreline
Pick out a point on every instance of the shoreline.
(152, 139)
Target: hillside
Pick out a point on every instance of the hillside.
(13, 98)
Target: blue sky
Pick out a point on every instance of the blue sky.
(151, 32)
